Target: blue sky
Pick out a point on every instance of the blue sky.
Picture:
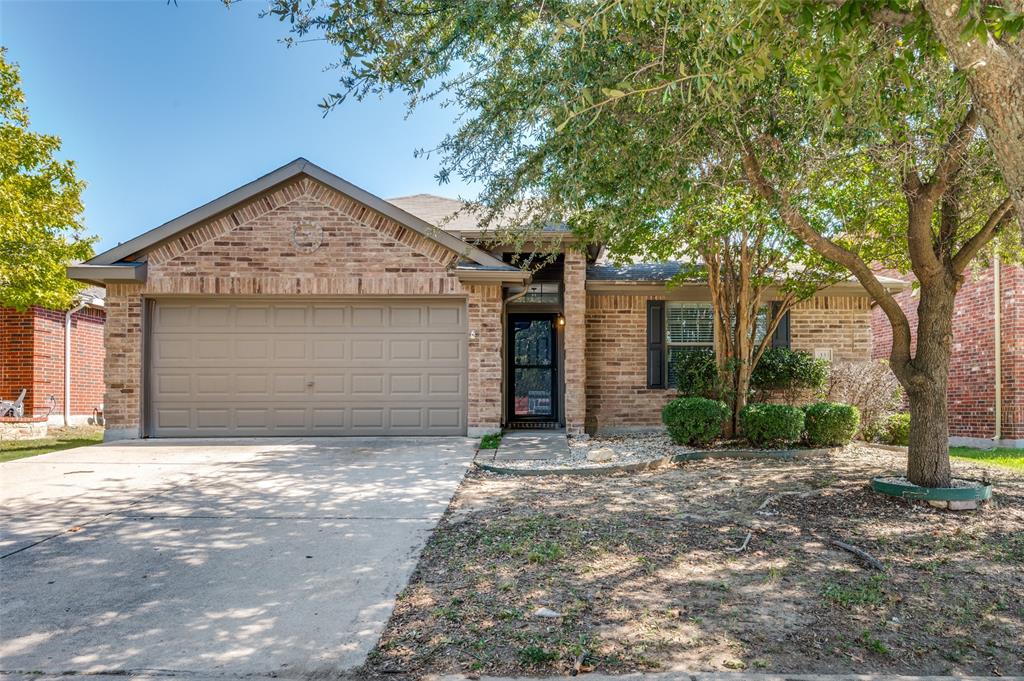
(164, 108)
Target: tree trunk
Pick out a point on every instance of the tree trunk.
(926, 378)
(995, 72)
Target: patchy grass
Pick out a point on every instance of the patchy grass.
(644, 574)
(58, 439)
(490, 441)
(1005, 457)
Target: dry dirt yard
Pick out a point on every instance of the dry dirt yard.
(640, 573)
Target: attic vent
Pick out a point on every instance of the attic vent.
(234, 218)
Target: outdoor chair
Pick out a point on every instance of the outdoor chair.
(15, 408)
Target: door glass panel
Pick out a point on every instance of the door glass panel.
(533, 342)
(533, 394)
(533, 376)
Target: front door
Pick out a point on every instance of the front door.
(533, 394)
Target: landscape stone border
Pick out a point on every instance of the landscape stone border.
(637, 466)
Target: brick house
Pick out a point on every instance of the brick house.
(300, 304)
(972, 371)
(32, 352)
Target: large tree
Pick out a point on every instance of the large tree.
(40, 207)
(862, 137)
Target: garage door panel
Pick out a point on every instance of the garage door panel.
(325, 368)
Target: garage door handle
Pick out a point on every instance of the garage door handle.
(309, 384)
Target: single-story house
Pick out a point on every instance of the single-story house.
(986, 370)
(33, 347)
(300, 304)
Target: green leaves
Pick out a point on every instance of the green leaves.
(40, 208)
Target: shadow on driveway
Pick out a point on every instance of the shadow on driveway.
(229, 556)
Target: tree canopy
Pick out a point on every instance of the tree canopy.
(40, 207)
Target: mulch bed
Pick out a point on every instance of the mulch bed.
(645, 573)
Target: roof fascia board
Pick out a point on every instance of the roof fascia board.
(104, 274)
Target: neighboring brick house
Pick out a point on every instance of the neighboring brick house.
(972, 371)
(32, 355)
(300, 304)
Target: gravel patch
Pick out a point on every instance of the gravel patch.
(606, 451)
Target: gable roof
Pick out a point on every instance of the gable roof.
(451, 215)
(299, 166)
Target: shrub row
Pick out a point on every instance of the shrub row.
(698, 421)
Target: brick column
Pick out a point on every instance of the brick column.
(122, 369)
(485, 368)
(574, 310)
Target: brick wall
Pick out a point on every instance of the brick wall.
(839, 323)
(971, 392)
(616, 366)
(251, 251)
(485, 358)
(616, 378)
(575, 340)
(32, 357)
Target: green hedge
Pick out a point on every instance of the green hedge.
(771, 424)
(694, 420)
(785, 369)
(694, 373)
(896, 430)
(830, 424)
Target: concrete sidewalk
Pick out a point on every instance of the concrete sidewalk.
(530, 445)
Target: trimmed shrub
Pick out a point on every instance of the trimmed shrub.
(771, 424)
(896, 430)
(789, 372)
(830, 423)
(694, 373)
(694, 420)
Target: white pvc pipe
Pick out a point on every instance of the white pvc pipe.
(998, 349)
(67, 363)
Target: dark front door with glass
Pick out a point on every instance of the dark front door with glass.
(533, 395)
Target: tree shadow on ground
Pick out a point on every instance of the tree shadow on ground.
(646, 573)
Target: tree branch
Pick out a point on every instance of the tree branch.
(996, 220)
(794, 219)
(952, 157)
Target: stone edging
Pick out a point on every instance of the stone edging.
(699, 455)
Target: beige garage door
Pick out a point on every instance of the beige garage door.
(251, 368)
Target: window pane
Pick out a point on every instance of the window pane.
(533, 341)
(534, 394)
(690, 323)
(542, 292)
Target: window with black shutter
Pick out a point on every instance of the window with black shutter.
(656, 364)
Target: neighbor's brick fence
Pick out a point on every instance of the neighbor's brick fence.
(32, 357)
(250, 251)
(971, 391)
(616, 365)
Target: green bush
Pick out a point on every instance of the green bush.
(694, 373)
(830, 423)
(694, 420)
(896, 430)
(771, 424)
(785, 369)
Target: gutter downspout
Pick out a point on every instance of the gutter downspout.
(67, 362)
(996, 305)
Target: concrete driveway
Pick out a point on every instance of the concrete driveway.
(260, 557)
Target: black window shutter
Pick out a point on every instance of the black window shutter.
(780, 339)
(656, 364)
